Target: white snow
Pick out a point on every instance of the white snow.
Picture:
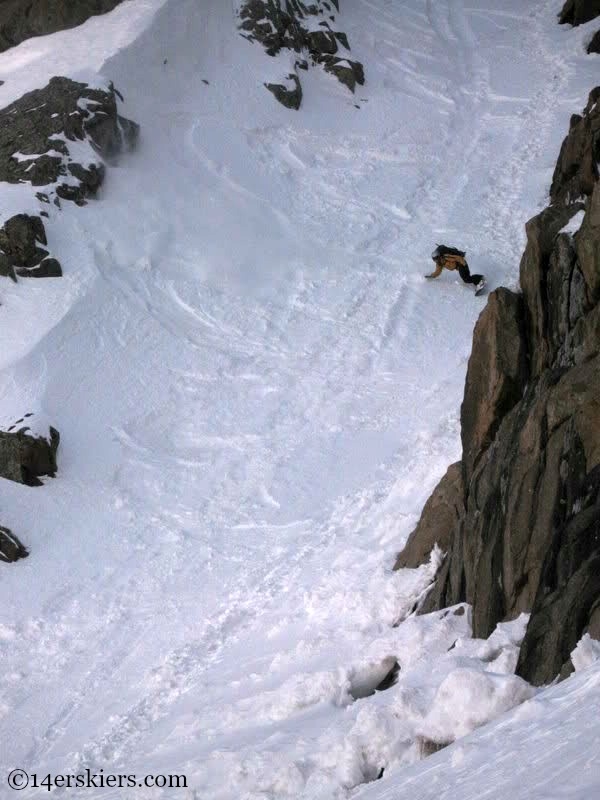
(256, 391)
(574, 224)
(32, 156)
(586, 653)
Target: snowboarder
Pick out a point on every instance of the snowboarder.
(451, 258)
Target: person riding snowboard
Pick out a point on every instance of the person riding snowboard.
(451, 258)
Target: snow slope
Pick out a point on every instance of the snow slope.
(257, 390)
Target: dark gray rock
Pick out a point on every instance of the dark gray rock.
(290, 97)
(342, 39)
(110, 139)
(22, 19)
(6, 268)
(11, 549)
(270, 23)
(346, 71)
(24, 457)
(20, 240)
(320, 42)
(47, 268)
(576, 12)
(594, 45)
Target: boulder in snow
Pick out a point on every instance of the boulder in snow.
(11, 549)
(576, 12)
(346, 71)
(288, 96)
(21, 253)
(25, 457)
(594, 45)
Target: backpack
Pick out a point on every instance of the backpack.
(442, 250)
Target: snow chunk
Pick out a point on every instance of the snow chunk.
(7, 633)
(18, 156)
(468, 698)
(574, 224)
(586, 652)
(500, 652)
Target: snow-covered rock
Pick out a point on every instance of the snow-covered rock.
(57, 139)
(11, 549)
(24, 457)
(307, 30)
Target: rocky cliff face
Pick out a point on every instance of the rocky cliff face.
(307, 29)
(522, 526)
(22, 19)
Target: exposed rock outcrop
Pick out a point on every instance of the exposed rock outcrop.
(36, 130)
(289, 96)
(576, 12)
(594, 45)
(37, 133)
(347, 72)
(25, 457)
(22, 19)
(307, 29)
(11, 549)
(527, 534)
(20, 251)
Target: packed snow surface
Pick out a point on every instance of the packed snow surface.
(256, 391)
